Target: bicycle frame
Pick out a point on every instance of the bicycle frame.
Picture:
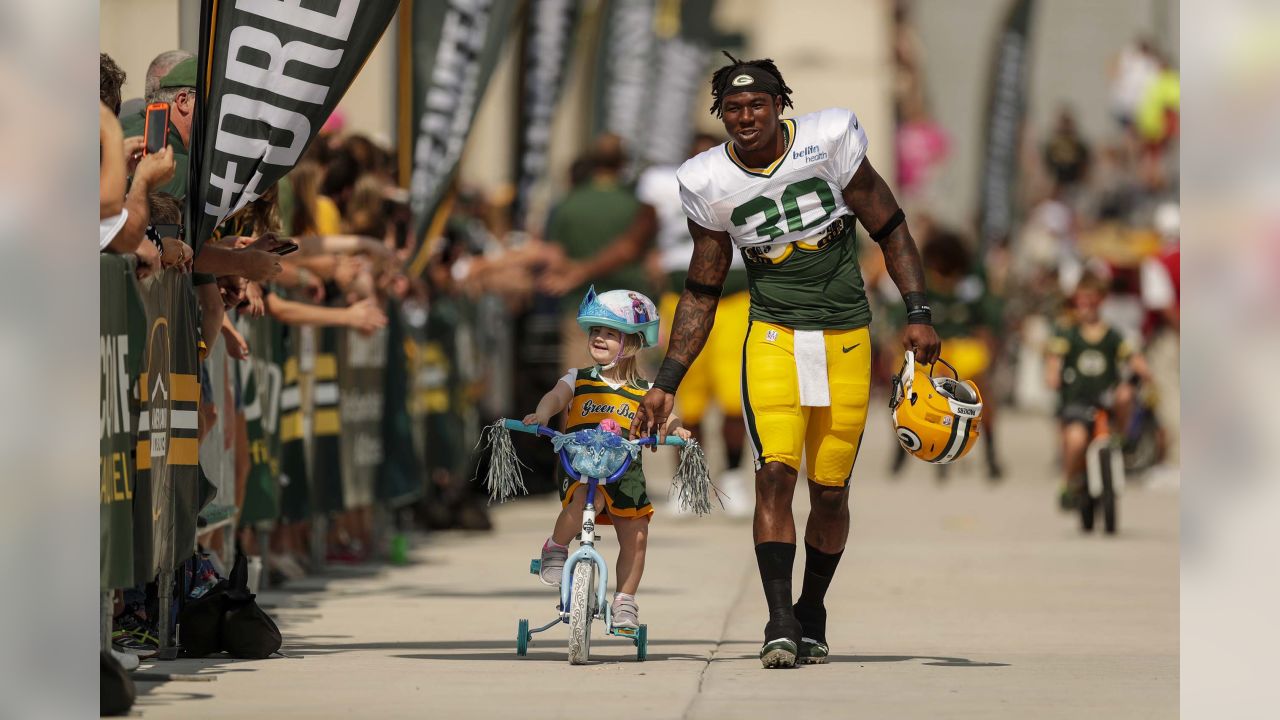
(586, 551)
(586, 540)
(1093, 457)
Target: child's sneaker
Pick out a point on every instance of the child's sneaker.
(625, 611)
(552, 567)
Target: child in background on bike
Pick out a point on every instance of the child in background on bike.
(618, 323)
(1088, 361)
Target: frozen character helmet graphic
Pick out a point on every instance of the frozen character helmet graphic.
(639, 312)
(623, 310)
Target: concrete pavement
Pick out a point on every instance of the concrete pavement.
(958, 600)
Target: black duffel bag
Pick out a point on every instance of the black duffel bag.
(247, 631)
(200, 622)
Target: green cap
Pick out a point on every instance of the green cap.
(182, 75)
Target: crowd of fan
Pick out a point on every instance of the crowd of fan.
(343, 207)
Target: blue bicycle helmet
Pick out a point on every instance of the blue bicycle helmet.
(626, 311)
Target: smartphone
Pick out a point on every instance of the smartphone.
(285, 249)
(156, 129)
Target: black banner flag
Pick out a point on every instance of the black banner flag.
(455, 48)
(1006, 109)
(269, 74)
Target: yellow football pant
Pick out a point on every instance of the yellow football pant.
(779, 428)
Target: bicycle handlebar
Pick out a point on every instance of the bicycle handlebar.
(518, 426)
(653, 440)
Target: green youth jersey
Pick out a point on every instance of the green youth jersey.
(1089, 369)
(789, 220)
(595, 400)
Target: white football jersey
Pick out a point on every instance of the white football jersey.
(794, 198)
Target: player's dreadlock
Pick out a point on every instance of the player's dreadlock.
(720, 80)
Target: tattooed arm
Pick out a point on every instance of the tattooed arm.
(872, 201)
(695, 314)
(712, 253)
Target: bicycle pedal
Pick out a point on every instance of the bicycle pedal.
(535, 566)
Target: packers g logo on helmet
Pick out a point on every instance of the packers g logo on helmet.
(909, 439)
(936, 419)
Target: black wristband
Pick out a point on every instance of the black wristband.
(670, 375)
(918, 310)
(894, 221)
(698, 288)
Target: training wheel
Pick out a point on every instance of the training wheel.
(522, 636)
(642, 643)
(535, 566)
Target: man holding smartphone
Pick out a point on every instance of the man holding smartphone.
(178, 89)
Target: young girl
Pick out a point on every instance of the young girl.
(618, 324)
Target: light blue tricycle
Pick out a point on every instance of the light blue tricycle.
(596, 457)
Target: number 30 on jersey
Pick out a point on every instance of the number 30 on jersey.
(792, 194)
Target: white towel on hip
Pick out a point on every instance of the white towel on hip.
(811, 368)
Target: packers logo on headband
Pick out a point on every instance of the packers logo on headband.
(743, 79)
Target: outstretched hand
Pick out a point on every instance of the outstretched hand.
(365, 316)
(651, 416)
(562, 279)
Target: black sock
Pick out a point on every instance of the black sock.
(775, 560)
(819, 568)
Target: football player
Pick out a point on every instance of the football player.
(784, 192)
